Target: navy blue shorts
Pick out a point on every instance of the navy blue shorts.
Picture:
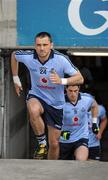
(94, 153)
(67, 149)
(51, 116)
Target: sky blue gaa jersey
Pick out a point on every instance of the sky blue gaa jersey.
(41, 85)
(93, 141)
(75, 118)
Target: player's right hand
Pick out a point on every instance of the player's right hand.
(18, 89)
(17, 84)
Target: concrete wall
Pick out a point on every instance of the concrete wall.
(17, 123)
(7, 23)
(14, 126)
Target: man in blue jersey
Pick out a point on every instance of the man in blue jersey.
(45, 99)
(94, 139)
(74, 136)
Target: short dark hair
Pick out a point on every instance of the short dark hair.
(44, 34)
(73, 85)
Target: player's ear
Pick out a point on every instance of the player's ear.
(66, 88)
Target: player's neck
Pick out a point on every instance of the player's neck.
(73, 101)
(44, 58)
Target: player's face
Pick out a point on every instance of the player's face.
(43, 47)
(72, 93)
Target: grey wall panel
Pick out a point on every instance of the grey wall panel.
(13, 118)
(7, 23)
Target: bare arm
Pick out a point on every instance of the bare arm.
(94, 109)
(102, 127)
(14, 68)
(103, 124)
(73, 80)
(14, 65)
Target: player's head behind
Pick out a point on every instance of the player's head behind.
(72, 92)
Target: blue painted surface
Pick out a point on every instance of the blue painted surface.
(34, 16)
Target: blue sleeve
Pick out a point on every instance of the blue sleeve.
(69, 68)
(102, 112)
(22, 56)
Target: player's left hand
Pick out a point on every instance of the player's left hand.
(54, 77)
(65, 135)
(99, 135)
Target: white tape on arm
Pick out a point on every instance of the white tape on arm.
(64, 81)
(94, 119)
(17, 81)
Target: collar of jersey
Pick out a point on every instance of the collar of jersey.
(50, 56)
(67, 99)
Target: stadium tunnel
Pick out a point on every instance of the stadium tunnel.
(16, 136)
